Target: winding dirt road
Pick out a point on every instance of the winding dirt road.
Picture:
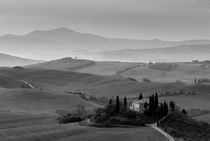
(154, 126)
(28, 84)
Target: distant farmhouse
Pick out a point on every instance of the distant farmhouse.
(138, 105)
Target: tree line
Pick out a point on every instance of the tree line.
(154, 108)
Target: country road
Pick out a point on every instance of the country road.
(28, 84)
(154, 126)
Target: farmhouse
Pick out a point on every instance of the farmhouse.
(138, 105)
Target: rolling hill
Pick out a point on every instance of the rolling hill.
(38, 102)
(156, 72)
(181, 71)
(86, 66)
(10, 61)
(64, 42)
(64, 81)
(67, 63)
(178, 53)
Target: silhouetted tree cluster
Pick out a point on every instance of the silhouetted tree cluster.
(118, 106)
(156, 109)
(153, 104)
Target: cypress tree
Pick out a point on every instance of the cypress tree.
(153, 104)
(125, 103)
(161, 111)
(172, 105)
(146, 106)
(150, 105)
(117, 105)
(140, 96)
(165, 108)
(110, 101)
(156, 101)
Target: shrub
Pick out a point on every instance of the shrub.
(146, 80)
(110, 109)
(163, 66)
(125, 121)
(69, 119)
(130, 114)
(184, 111)
(101, 118)
(93, 98)
(18, 67)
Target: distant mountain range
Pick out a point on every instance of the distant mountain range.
(62, 42)
(10, 61)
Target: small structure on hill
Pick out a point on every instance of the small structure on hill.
(139, 105)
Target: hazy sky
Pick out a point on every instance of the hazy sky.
(142, 19)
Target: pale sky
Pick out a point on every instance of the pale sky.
(139, 19)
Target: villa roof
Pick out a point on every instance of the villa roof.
(140, 101)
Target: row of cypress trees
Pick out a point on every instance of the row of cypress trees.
(152, 108)
(118, 105)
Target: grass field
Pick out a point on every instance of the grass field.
(32, 127)
(205, 118)
(90, 84)
(190, 101)
(107, 68)
(184, 72)
(180, 71)
(63, 64)
(33, 101)
(29, 115)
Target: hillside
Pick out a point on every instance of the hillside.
(63, 64)
(181, 126)
(33, 127)
(157, 72)
(178, 53)
(169, 72)
(10, 61)
(86, 66)
(64, 42)
(34, 101)
(64, 81)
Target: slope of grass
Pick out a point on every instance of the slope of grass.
(205, 118)
(82, 82)
(181, 126)
(23, 128)
(116, 134)
(159, 72)
(63, 64)
(34, 101)
(107, 68)
(185, 72)
(11, 120)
